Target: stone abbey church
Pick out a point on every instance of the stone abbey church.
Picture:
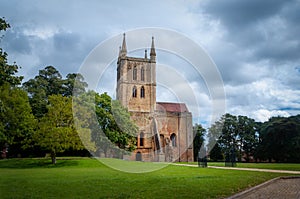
(165, 129)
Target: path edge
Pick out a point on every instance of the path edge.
(245, 192)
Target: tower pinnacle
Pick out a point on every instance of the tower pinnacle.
(124, 48)
(152, 51)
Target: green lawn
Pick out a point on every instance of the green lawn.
(88, 178)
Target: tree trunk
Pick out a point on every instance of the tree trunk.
(53, 157)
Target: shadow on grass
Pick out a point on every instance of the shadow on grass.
(204, 177)
(20, 163)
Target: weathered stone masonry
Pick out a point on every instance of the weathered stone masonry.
(165, 129)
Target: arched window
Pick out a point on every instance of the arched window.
(142, 92)
(141, 139)
(142, 74)
(173, 140)
(134, 75)
(134, 92)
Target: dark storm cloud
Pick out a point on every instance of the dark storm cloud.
(66, 51)
(16, 41)
(269, 28)
(66, 41)
(237, 14)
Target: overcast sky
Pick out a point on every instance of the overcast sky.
(255, 44)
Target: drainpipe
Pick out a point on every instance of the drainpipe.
(178, 131)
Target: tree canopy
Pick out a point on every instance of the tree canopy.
(7, 71)
(236, 133)
(50, 82)
(56, 132)
(16, 120)
(280, 139)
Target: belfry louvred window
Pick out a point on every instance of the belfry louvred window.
(134, 75)
(142, 74)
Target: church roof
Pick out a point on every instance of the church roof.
(171, 107)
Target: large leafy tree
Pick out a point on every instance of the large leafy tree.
(74, 84)
(16, 120)
(112, 130)
(56, 131)
(229, 137)
(248, 136)
(50, 82)
(280, 139)
(114, 121)
(236, 133)
(213, 146)
(7, 71)
(47, 82)
(199, 133)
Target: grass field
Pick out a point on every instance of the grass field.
(88, 178)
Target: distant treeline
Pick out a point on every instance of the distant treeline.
(276, 140)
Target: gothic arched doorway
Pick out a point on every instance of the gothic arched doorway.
(138, 156)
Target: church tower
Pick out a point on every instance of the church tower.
(164, 128)
(136, 80)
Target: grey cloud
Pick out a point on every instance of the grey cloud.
(237, 14)
(15, 41)
(268, 28)
(66, 41)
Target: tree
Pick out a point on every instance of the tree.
(56, 131)
(16, 120)
(114, 121)
(50, 82)
(248, 137)
(3, 24)
(237, 134)
(228, 141)
(74, 84)
(7, 71)
(198, 132)
(112, 131)
(111, 128)
(216, 153)
(280, 139)
(213, 146)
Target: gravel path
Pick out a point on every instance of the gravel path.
(278, 188)
(255, 169)
(242, 169)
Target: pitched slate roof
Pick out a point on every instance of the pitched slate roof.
(171, 107)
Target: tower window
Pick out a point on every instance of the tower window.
(141, 139)
(173, 140)
(134, 75)
(142, 74)
(134, 92)
(142, 92)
